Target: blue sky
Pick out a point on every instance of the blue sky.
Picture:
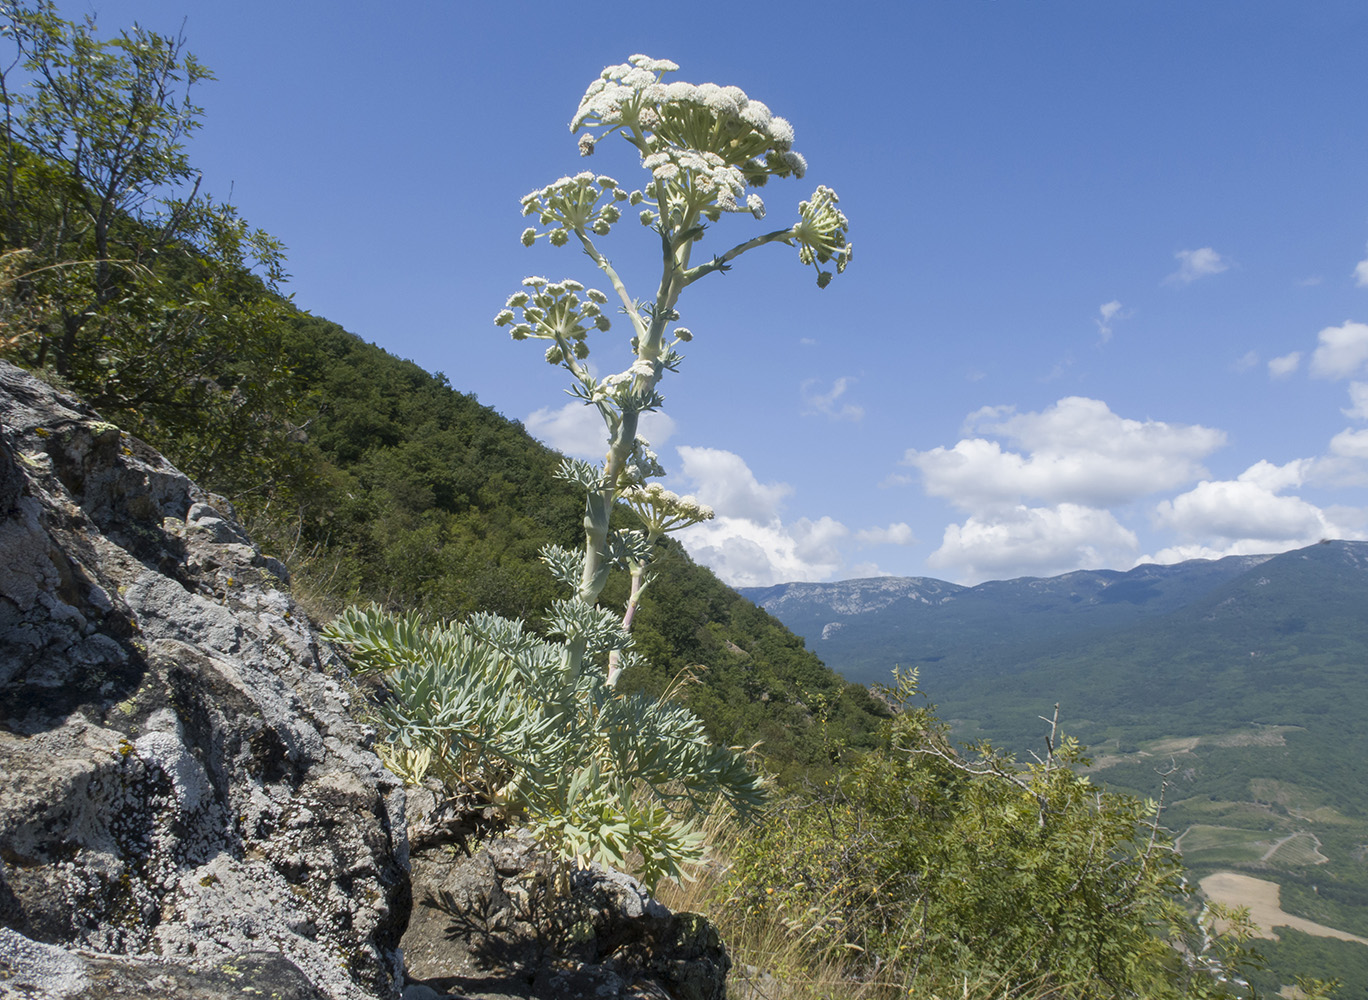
(1109, 299)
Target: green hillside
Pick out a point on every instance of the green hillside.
(420, 497)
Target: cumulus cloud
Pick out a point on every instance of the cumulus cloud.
(1033, 541)
(746, 554)
(1075, 459)
(1361, 274)
(1342, 351)
(1246, 515)
(1350, 444)
(1077, 451)
(724, 482)
(1358, 401)
(1247, 361)
(748, 544)
(1194, 264)
(1284, 366)
(828, 403)
(577, 430)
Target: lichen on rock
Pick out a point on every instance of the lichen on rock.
(185, 782)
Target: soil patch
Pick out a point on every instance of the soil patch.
(1264, 900)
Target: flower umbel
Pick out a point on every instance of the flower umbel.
(662, 510)
(555, 312)
(579, 204)
(821, 235)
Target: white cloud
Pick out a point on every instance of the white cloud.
(744, 553)
(1361, 274)
(724, 482)
(1246, 515)
(1183, 553)
(1194, 264)
(748, 544)
(577, 430)
(1076, 451)
(1342, 351)
(1245, 362)
(826, 403)
(1284, 366)
(1350, 444)
(897, 533)
(1276, 478)
(1108, 312)
(1033, 541)
(1358, 401)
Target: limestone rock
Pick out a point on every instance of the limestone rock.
(185, 791)
(495, 926)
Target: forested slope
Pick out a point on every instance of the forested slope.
(412, 494)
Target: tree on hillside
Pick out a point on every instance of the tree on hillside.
(145, 293)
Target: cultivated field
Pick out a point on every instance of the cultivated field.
(1265, 906)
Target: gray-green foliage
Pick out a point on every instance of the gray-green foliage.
(487, 706)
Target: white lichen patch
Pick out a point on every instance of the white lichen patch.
(188, 780)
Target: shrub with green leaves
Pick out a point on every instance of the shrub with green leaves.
(938, 867)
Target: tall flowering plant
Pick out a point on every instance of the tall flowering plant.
(537, 724)
(706, 148)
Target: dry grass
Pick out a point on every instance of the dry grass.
(772, 959)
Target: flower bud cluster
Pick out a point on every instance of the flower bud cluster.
(821, 234)
(662, 510)
(583, 203)
(670, 118)
(705, 175)
(633, 388)
(555, 311)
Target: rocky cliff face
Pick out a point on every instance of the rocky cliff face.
(184, 795)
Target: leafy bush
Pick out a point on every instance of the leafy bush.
(954, 867)
(600, 776)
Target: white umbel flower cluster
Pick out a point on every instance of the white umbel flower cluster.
(662, 510)
(555, 311)
(586, 202)
(821, 234)
(656, 116)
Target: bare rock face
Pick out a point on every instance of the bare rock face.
(186, 805)
(496, 926)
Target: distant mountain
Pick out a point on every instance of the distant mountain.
(1108, 644)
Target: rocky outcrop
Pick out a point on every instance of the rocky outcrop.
(187, 806)
(498, 926)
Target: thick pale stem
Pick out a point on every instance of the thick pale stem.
(649, 347)
(633, 602)
(599, 503)
(720, 263)
(607, 268)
